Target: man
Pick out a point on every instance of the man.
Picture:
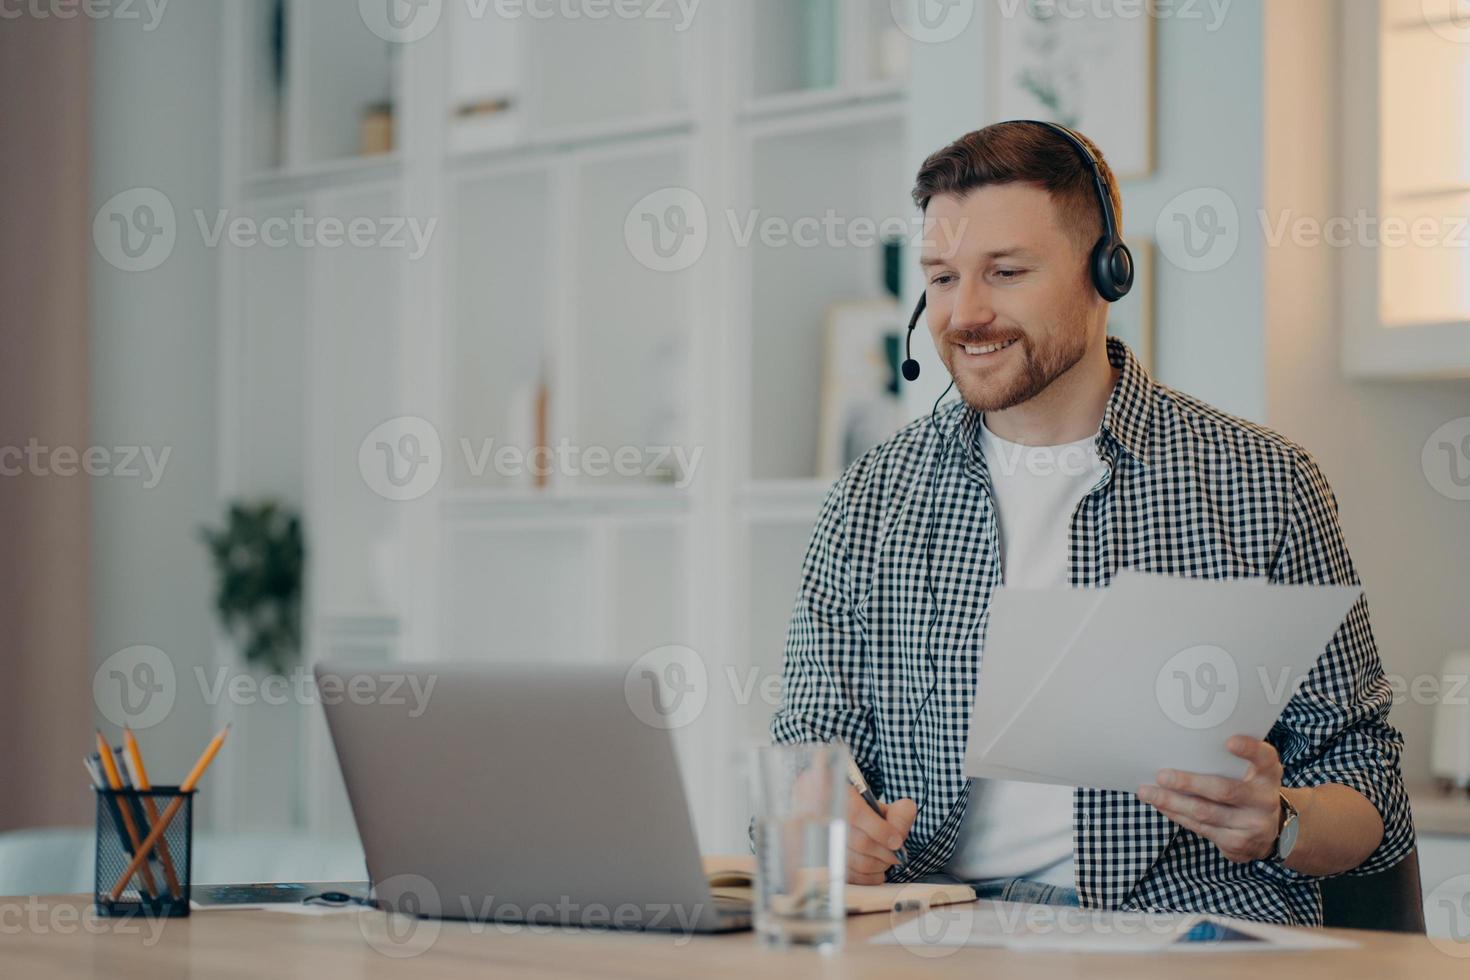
(888, 626)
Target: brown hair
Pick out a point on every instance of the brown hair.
(1022, 152)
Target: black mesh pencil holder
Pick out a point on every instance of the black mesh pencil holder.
(158, 886)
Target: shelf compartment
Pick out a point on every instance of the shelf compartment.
(499, 309)
(795, 48)
(855, 170)
(354, 355)
(624, 344)
(586, 70)
(314, 72)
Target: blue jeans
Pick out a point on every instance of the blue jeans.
(1025, 890)
(1013, 890)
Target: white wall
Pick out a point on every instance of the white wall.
(1409, 543)
(155, 106)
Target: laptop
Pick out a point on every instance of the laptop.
(529, 794)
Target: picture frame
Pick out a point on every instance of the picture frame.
(860, 402)
(1088, 67)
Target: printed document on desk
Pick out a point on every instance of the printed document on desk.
(1153, 672)
(1055, 928)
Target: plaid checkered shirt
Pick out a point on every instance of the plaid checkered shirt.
(1188, 490)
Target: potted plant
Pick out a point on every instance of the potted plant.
(259, 561)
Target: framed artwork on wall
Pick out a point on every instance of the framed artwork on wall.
(1087, 66)
(860, 388)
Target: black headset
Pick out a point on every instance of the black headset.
(1111, 264)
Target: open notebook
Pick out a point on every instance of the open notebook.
(733, 876)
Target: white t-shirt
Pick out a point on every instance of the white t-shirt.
(1013, 829)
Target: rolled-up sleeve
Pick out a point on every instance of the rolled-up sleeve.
(1335, 727)
(825, 691)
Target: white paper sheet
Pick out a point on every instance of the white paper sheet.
(1158, 673)
(1029, 631)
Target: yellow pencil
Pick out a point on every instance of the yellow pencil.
(140, 782)
(125, 810)
(170, 811)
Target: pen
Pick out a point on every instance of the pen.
(855, 776)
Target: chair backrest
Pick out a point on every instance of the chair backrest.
(1391, 901)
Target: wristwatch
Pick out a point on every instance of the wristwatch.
(1286, 832)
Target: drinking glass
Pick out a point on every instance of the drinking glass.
(800, 795)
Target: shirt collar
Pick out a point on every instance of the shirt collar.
(1125, 420)
(1130, 407)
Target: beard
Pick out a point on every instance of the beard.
(1029, 366)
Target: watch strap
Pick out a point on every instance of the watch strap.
(1288, 813)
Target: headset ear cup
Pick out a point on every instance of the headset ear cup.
(1122, 263)
(1112, 269)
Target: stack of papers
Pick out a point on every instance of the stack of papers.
(1105, 687)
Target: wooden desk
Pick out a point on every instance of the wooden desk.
(43, 938)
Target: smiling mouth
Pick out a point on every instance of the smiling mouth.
(986, 350)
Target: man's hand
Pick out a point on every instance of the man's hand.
(871, 839)
(1241, 816)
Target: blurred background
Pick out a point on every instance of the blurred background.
(538, 329)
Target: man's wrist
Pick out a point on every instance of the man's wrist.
(1288, 829)
(1338, 830)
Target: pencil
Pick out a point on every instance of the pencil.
(114, 780)
(855, 777)
(134, 761)
(170, 811)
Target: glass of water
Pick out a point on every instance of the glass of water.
(800, 793)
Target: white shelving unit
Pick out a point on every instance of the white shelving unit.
(529, 141)
(1407, 292)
